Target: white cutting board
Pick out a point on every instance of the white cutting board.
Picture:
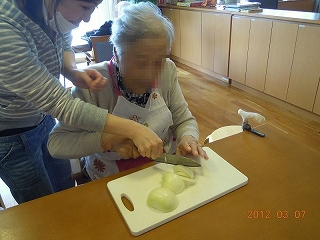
(215, 178)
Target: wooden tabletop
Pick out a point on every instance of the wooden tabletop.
(280, 201)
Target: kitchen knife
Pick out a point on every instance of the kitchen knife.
(177, 160)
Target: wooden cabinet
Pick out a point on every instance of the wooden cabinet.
(280, 59)
(271, 54)
(292, 62)
(250, 40)
(305, 73)
(190, 30)
(174, 16)
(316, 108)
(208, 41)
(221, 44)
(239, 48)
(215, 42)
(201, 38)
(258, 50)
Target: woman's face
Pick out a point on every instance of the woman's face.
(76, 11)
(141, 64)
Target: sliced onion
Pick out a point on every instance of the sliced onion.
(188, 181)
(173, 182)
(162, 199)
(183, 171)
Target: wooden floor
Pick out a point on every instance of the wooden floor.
(215, 104)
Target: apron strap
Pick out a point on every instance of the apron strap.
(110, 68)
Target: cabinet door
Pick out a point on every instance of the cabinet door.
(190, 28)
(208, 39)
(316, 108)
(305, 71)
(259, 41)
(283, 39)
(174, 16)
(239, 48)
(221, 43)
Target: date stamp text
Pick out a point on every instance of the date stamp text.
(278, 214)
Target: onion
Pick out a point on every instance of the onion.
(183, 171)
(188, 181)
(173, 182)
(162, 199)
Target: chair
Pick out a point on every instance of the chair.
(2, 206)
(316, 7)
(102, 49)
(6, 198)
(77, 171)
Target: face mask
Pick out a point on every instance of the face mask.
(62, 24)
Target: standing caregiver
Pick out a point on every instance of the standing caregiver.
(35, 47)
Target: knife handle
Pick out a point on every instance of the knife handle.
(260, 134)
(247, 126)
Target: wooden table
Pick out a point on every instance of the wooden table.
(281, 200)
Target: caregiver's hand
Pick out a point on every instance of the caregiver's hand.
(121, 145)
(88, 79)
(189, 144)
(147, 142)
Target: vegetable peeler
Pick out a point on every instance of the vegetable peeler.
(245, 124)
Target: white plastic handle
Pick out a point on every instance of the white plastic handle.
(246, 115)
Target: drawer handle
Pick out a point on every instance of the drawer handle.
(302, 26)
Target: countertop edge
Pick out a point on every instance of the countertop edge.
(273, 14)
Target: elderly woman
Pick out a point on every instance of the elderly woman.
(143, 87)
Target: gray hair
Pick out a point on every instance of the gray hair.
(139, 20)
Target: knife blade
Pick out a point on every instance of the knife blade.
(177, 160)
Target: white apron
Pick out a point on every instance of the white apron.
(156, 116)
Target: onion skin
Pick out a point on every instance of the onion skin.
(162, 199)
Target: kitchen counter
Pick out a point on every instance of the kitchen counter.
(295, 16)
(270, 54)
(280, 201)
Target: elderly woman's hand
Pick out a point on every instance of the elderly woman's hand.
(88, 79)
(189, 144)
